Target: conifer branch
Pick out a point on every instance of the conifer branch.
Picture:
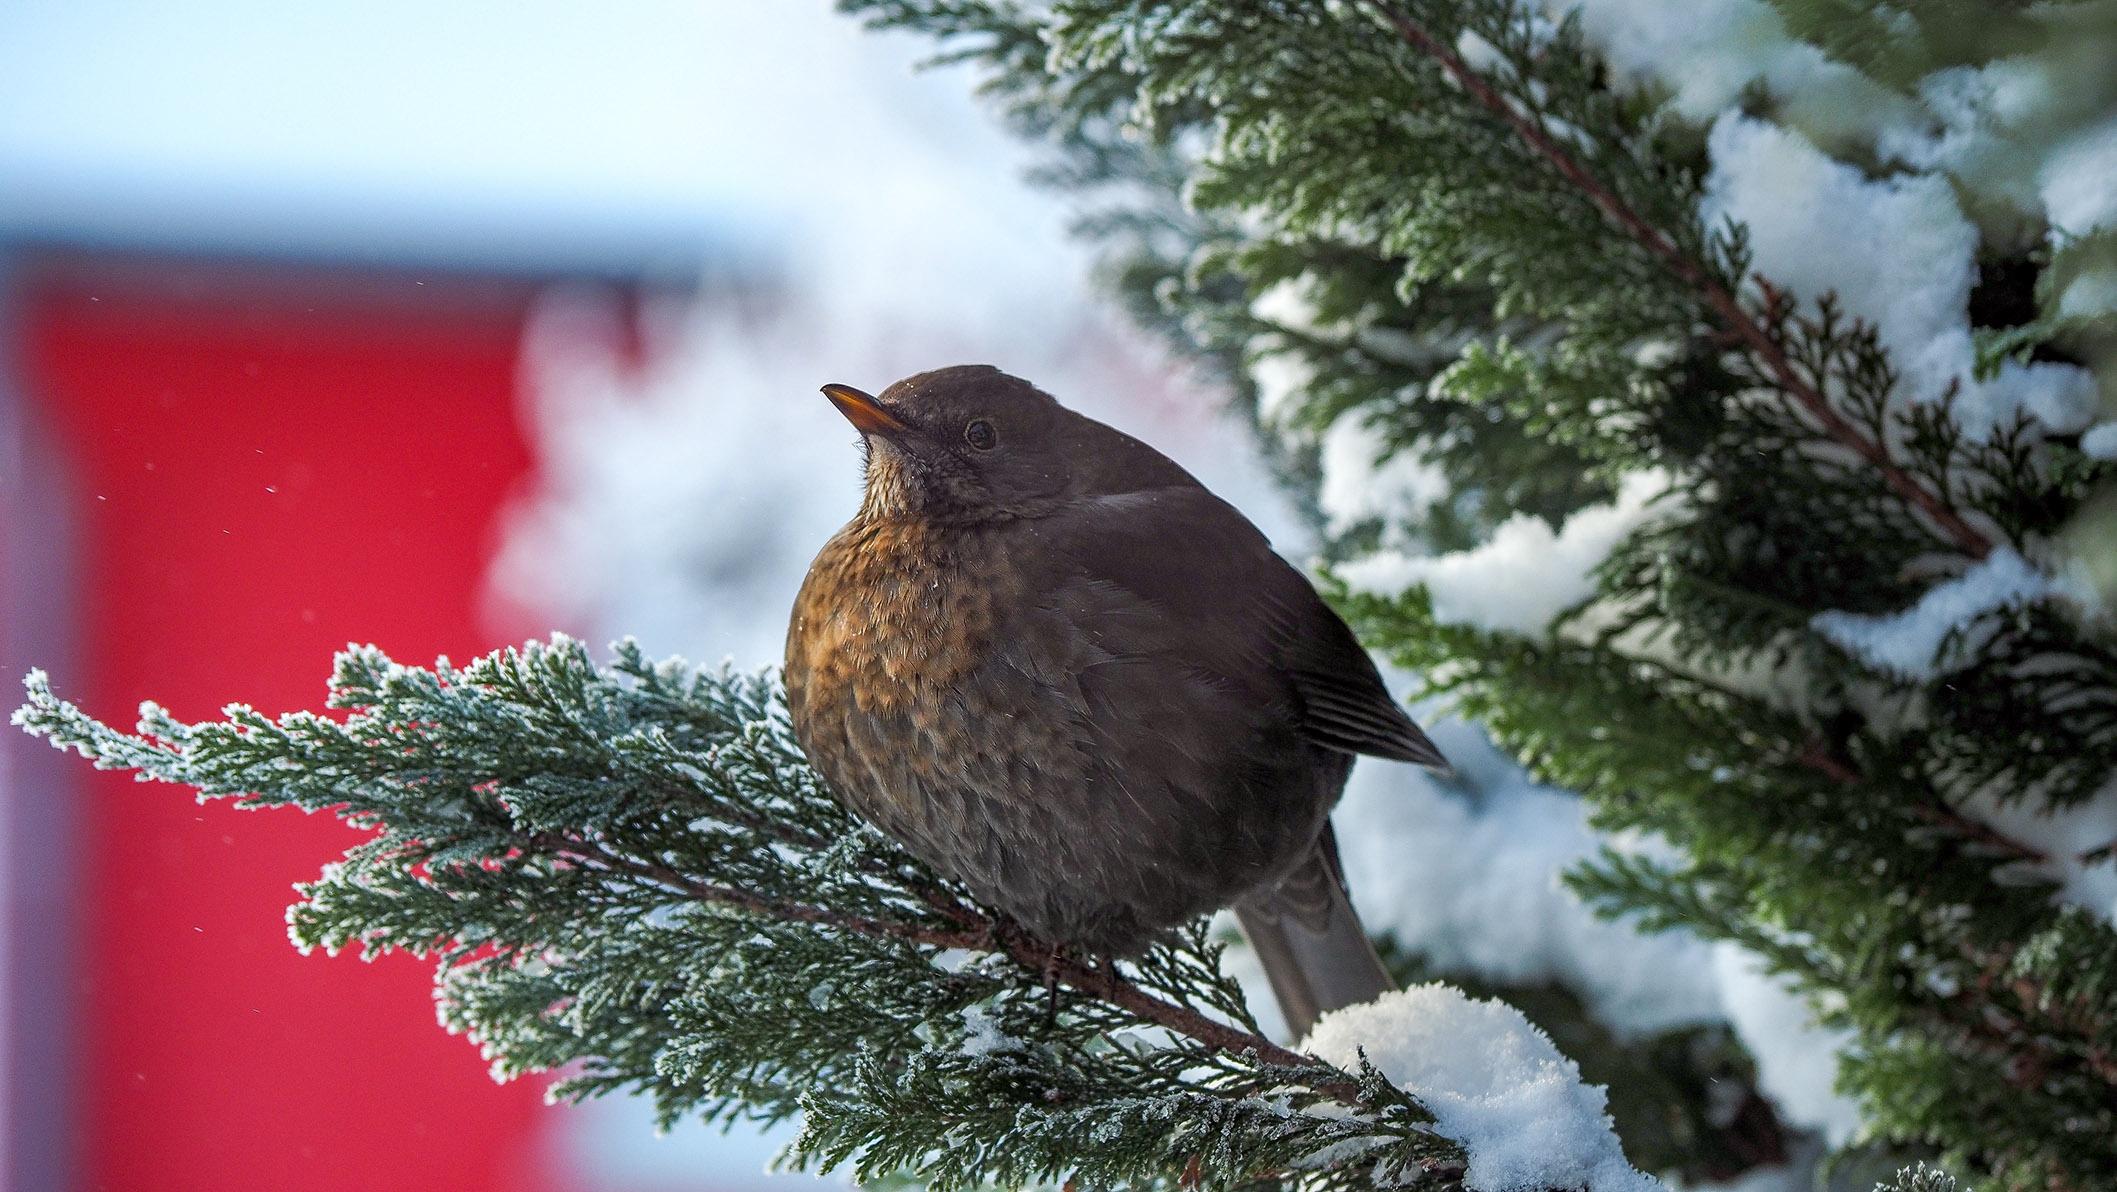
(1526, 243)
(1937, 812)
(632, 875)
(979, 933)
(1754, 334)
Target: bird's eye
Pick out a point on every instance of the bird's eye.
(979, 434)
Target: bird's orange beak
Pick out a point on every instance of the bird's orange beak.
(863, 411)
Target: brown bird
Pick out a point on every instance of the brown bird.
(1058, 670)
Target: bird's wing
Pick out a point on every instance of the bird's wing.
(1226, 604)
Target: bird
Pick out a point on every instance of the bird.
(1056, 668)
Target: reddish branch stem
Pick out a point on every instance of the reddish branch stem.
(1985, 1023)
(1819, 759)
(1758, 339)
(978, 934)
(1692, 273)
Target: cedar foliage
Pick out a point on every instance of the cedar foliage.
(1494, 261)
(628, 874)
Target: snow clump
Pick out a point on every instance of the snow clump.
(1493, 1082)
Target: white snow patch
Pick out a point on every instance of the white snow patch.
(1965, 125)
(1282, 377)
(2090, 295)
(1797, 1060)
(2064, 398)
(1359, 484)
(1908, 644)
(2078, 181)
(982, 1036)
(1283, 380)
(2063, 835)
(1466, 874)
(1526, 574)
(2100, 442)
(1708, 51)
(1494, 1083)
(1898, 254)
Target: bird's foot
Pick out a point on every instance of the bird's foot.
(1051, 986)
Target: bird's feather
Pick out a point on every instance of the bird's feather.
(1226, 600)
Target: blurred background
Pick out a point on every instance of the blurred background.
(436, 326)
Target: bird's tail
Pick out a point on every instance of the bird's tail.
(1315, 952)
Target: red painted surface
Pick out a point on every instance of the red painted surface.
(263, 470)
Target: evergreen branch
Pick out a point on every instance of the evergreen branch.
(1753, 333)
(632, 875)
(1816, 755)
(980, 934)
(1520, 238)
(1935, 811)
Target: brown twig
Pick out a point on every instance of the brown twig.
(1722, 301)
(1935, 812)
(977, 933)
(2002, 1034)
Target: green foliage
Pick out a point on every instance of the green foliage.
(1438, 223)
(1440, 219)
(630, 876)
(1900, 42)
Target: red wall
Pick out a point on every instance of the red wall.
(264, 464)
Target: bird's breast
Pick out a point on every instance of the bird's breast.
(895, 614)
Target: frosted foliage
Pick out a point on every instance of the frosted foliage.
(1897, 252)
(1493, 1082)
(1525, 574)
(983, 1036)
(1909, 644)
(1364, 480)
(1467, 873)
(1797, 1060)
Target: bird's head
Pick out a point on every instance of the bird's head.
(971, 442)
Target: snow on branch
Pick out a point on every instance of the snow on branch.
(1947, 627)
(1525, 575)
(1702, 274)
(1493, 1082)
(628, 873)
